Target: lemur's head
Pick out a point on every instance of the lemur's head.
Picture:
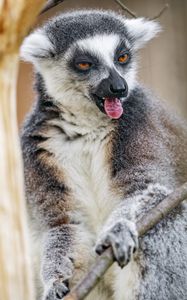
(87, 58)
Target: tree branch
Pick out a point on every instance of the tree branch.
(106, 259)
(50, 4)
(134, 15)
(125, 8)
(166, 6)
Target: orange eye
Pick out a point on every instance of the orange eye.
(123, 58)
(84, 66)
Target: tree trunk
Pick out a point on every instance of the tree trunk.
(15, 270)
(15, 275)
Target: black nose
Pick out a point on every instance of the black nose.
(118, 89)
(113, 86)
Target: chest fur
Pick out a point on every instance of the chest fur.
(85, 163)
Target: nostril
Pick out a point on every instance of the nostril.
(117, 90)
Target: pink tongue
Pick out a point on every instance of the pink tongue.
(113, 108)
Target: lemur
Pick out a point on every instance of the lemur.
(100, 150)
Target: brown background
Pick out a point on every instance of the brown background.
(163, 63)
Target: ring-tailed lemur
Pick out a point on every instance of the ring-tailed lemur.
(100, 151)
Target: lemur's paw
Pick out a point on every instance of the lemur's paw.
(123, 239)
(55, 291)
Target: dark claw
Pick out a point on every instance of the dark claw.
(117, 245)
(100, 249)
(57, 291)
(60, 290)
(121, 260)
(129, 252)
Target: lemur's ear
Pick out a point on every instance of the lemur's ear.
(141, 31)
(36, 47)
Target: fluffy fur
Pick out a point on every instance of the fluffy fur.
(88, 177)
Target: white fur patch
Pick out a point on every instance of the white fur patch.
(83, 162)
(141, 31)
(35, 46)
(102, 46)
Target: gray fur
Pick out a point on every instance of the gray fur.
(64, 30)
(90, 178)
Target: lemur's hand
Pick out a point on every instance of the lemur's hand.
(55, 291)
(123, 238)
(56, 284)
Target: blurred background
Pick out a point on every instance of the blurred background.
(163, 63)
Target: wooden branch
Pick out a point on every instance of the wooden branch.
(134, 15)
(106, 259)
(166, 6)
(50, 4)
(125, 8)
(15, 265)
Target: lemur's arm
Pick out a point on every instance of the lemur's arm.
(119, 232)
(57, 261)
(48, 208)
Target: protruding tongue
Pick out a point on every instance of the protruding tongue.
(113, 108)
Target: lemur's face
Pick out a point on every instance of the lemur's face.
(87, 59)
(104, 64)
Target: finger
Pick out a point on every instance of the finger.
(120, 253)
(101, 248)
(136, 240)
